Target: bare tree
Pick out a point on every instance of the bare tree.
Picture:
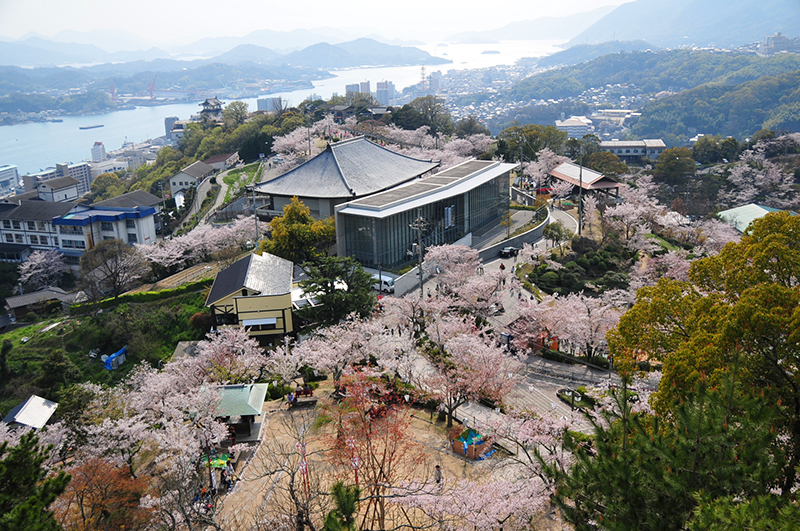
(110, 268)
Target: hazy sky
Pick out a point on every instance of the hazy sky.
(184, 21)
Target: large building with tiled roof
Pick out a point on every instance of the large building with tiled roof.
(345, 171)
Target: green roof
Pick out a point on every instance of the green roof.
(741, 217)
(240, 400)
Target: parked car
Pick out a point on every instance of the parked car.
(508, 252)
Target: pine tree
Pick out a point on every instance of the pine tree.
(26, 490)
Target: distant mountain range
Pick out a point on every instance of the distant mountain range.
(38, 52)
(722, 23)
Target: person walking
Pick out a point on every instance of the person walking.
(437, 475)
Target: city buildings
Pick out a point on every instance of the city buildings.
(385, 93)
(382, 230)
(98, 152)
(82, 172)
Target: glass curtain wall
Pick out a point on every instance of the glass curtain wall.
(388, 243)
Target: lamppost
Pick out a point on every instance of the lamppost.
(580, 193)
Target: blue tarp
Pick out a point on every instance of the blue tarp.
(110, 364)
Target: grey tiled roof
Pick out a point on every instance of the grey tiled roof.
(349, 169)
(266, 274)
(60, 182)
(131, 200)
(37, 210)
(198, 169)
(46, 294)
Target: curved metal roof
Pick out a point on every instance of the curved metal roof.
(349, 169)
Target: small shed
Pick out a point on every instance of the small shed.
(240, 405)
(33, 413)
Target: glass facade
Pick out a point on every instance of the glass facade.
(389, 242)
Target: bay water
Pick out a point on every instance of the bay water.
(33, 147)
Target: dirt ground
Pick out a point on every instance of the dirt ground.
(263, 475)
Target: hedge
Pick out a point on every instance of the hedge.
(142, 296)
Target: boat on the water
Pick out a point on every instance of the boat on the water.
(90, 126)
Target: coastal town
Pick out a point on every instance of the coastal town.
(554, 294)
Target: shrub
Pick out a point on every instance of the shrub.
(202, 321)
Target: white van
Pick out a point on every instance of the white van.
(382, 283)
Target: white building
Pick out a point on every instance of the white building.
(190, 176)
(9, 178)
(98, 152)
(71, 227)
(81, 171)
(632, 150)
(108, 166)
(575, 126)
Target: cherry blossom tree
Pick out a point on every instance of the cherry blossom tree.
(42, 269)
(471, 366)
(455, 269)
(577, 319)
(228, 356)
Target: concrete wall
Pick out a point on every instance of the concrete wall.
(532, 236)
(410, 281)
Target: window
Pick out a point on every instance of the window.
(41, 225)
(34, 239)
(73, 260)
(73, 244)
(9, 238)
(31, 225)
(55, 241)
(627, 151)
(131, 238)
(6, 224)
(42, 240)
(130, 223)
(16, 224)
(65, 229)
(106, 226)
(18, 238)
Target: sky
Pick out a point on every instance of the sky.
(172, 22)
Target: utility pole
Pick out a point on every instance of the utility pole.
(255, 213)
(418, 224)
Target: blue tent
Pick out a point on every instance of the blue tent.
(116, 359)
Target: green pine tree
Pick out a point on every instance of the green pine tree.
(26, 489)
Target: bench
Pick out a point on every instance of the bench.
(303, 402)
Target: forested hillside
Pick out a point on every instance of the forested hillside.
(680, 92)
(770, 102)
(670, 70)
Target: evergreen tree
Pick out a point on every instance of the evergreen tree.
(26, 491)
(343, 517)
(644, 471)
